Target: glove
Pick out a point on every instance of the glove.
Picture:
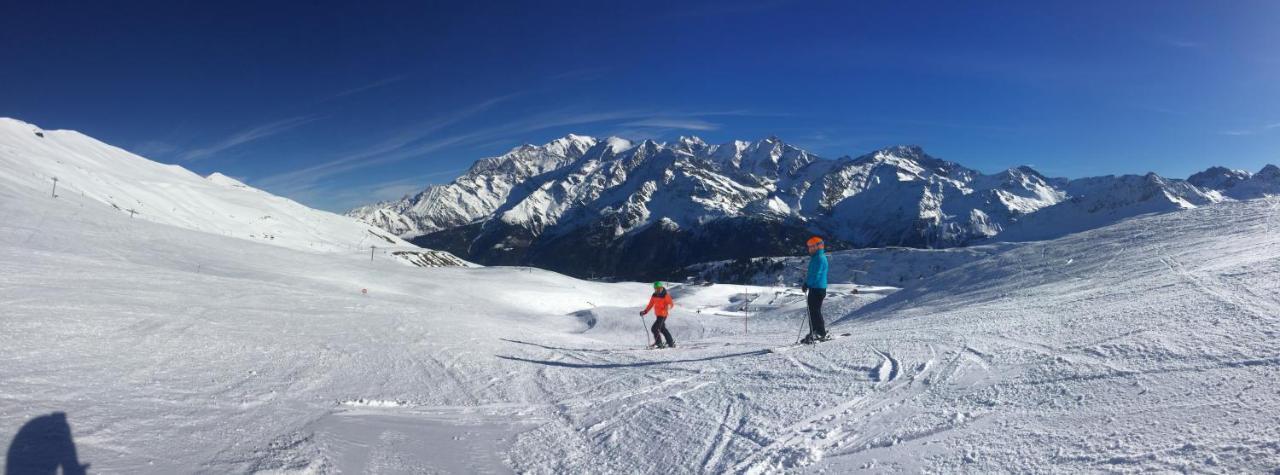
(642, 313)
(804, 288)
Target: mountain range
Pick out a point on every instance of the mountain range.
(612, 207)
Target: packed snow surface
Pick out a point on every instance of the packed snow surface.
(1148, 345)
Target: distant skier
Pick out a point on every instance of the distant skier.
(660, 302)
(815, 285)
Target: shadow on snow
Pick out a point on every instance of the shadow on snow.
(42, 446)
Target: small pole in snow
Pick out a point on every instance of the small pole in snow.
(54, 193)
(371, 249)
(646, 333)
(131, 211)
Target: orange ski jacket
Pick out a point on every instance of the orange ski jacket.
(660, 303)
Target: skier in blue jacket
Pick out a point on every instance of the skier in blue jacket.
(815, 285)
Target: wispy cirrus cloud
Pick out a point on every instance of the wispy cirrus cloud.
(426, 137)
(675, 123)
(1162, 110)
(367, 87)
(1182, 43)
(694, 9)
(399, 187)
(246, 136)
(153, 148)
(340, 198)
(1252, 130)
(584, 74)
(277, 127)
(409, 142)
(949, 124)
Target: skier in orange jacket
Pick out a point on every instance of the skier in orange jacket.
(660, 302)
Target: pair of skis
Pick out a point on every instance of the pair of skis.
(780, 349)
(783, 349)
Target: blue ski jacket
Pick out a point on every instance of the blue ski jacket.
(817, 276)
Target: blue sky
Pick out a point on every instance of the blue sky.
(337, 104)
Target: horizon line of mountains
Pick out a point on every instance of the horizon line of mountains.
(609, 207)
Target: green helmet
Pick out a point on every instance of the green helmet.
(657, 284)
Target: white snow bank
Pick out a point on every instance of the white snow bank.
(111, 179)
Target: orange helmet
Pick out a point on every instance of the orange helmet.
(814, 241)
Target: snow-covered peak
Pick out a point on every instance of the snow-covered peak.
(570, 144)
(1264, 183)
(1269, 172)
(617, 144)
(1162, 193)
(1025, 171)
(567, 145)
(730, 152)
(770, 145)
(768, 158)
(912, 152)
(1023, 176)
(692, 146)
(224, 180)
(482, 189)
(691, 141)
(900, 156)
(910, 163)
(1218, 178)
(528, 159)
(9, 123)
(914, 155)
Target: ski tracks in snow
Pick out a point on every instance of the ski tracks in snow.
(726, 434)
(888, 369)
(875, 419)
(1212, 286)
(867, 398)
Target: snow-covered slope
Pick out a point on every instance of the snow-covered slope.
(1218, 178)
(1264, 183)
(895, 266)
(610, 207)
(1143, 346)
(1099, 201)
(121, 182)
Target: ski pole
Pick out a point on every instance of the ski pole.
(646, 334)
(803, 324)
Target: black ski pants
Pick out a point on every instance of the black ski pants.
(659, 330)
(817, 326)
